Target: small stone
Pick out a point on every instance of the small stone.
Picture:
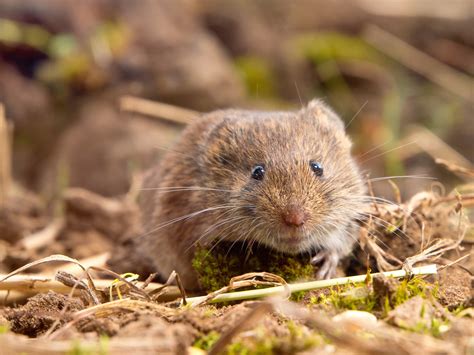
(356, 320)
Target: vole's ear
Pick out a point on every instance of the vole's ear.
(322, 112)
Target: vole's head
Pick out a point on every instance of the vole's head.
(289, 177)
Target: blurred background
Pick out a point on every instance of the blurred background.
(399, 72)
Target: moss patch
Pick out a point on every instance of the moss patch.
(367, 298)
(207, 341)
(215, 268)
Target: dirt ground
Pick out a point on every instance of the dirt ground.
(72, 154)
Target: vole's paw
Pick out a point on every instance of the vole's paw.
(327, 261)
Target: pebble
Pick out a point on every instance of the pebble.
(358, 319)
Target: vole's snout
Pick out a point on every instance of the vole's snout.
(294, 215)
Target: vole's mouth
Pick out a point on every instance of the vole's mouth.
(292, 242)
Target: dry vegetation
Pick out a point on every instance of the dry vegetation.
(76, 132)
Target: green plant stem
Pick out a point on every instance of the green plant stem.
(307, 286)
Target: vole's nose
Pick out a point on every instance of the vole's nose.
(294, 215)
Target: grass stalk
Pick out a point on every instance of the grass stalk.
(307, 286)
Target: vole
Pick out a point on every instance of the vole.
(284, 179)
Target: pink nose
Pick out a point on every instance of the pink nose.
(294, 216)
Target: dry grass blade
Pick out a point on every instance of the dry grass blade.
(98, 260)
(73, 282)
(431, 253)
(12, 344)
(220, 296)
(246, 280)
(55, 258)
(435, 147)
(418, 61)
(382, 257)
(158, 109)
(467, 200)
(396, 191)
(43, 237)
(456, 262)
(32, 284)
(139, 291)
(148, 280)
(455, 168)
(250, 318)
(437, 248)
(459, 10)
(174, 276)
(5, 156)
(48, 259)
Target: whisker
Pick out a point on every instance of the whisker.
(386, 152)
(188, 216)
(386, 224)
(403, 177)
(171, 150)
(374, 148)
(221, 238)
(356, 114)
(231, 220)
(183, 188)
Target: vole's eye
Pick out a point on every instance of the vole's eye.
(258, 172)
(316, 167)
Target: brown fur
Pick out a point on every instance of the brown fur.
(215, 157)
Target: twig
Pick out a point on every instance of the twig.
(139, 290)
(434, 70)
(454, 262)
(244, 322)
(158, 110)
(435, 147)
(438, 248)
(382, 257)
(245, 280)
(5, 156)
(32, 284)
(441, 9)
(174, 277)
(396, 191)
(455, 168)
(12, 343)
(42, 237)
(307, 286)
(95, 260)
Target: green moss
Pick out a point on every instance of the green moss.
(257, 76)
(103, 345)
(4, 328)
(327, 51)
(348, 297)
(207, 341)
(458, 311)
(362, 298)
(210, 312)
(326, 46)
(409, 288)
(298, 339)
(78, 348)
(216, 268)
(298, 296)
(265, 347)
(434, 328)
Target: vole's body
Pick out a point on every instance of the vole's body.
(209, 188)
